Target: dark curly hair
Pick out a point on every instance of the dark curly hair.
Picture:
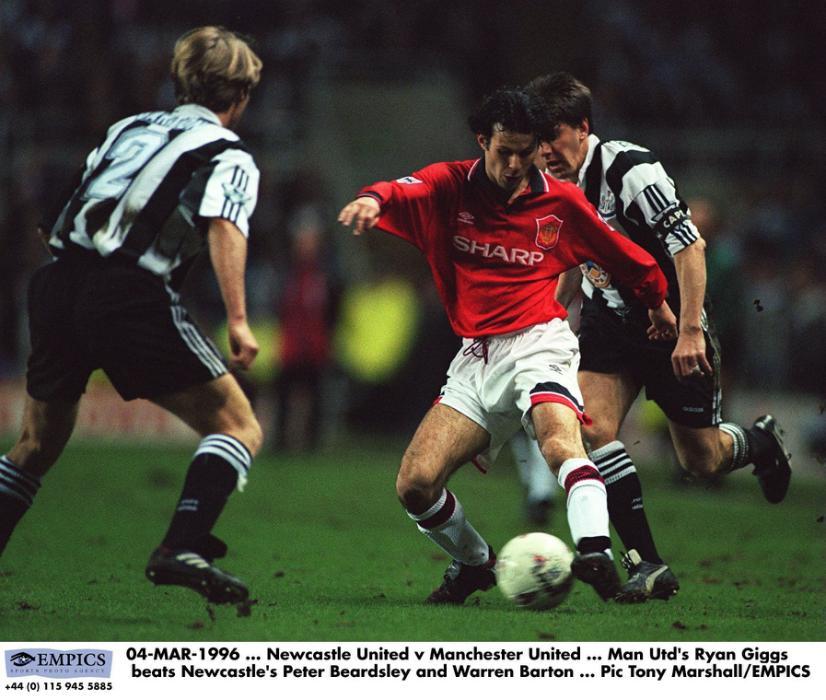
(509, 109)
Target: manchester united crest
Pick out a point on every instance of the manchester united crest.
(547, 231)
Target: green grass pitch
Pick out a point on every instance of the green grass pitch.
(330, 555)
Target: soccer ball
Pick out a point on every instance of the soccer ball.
(534, 571)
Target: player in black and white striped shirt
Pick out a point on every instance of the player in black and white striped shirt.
(632, 191)
(160, 187)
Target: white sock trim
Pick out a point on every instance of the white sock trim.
(430, 512)
(570, 465)
(231, 450)
(16, 483)
(600, 452)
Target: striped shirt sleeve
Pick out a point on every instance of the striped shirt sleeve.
(227, 189)
(648, 186)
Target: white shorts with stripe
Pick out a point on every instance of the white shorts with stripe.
(495, 382)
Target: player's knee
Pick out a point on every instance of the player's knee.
(255, 436)
(240, 424)
(34, 455)
(598, 433)
(251, 434)
(415, 491)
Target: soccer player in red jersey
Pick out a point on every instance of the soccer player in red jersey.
(497, 233)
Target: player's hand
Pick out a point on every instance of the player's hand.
(362, 213)
(689, 357)
(243, 346)
(663, 323)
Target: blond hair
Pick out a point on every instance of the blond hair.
(214, 67)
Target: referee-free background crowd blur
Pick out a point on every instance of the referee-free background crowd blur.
(731, 96)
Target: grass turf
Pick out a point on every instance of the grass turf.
(329, 555)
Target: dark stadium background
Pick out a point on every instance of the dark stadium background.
(731, 95)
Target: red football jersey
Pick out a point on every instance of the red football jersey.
(496, 264)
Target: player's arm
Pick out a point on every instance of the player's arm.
(568, 286)
(631, 265)
(402, 207)
(228, 253)
(362, 213)
(689, 356)
(222, 195)
(657, 205)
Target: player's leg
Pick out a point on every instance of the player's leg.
(546, 360)
(47, 427)
(708, 447)
(58, 369)
(443, 442)
(608, 398)
(231, 436)
(614, 361)
(221, 414)
(537, 480)
(154, 350)
(557, 430)
(705, 452)
(712, 451)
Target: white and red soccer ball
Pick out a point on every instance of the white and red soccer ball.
(534, 571)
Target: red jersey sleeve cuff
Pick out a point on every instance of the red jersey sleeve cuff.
(380, 191)
(370, 193)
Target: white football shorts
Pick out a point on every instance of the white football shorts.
(496, 381)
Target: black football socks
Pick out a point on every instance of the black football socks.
(219, 463)
(17, 492)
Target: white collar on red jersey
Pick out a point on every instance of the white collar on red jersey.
(536, 178)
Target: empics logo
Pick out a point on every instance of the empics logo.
(21, 659)
(59, 663)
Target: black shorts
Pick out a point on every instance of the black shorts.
(87, 313)
(610, 345)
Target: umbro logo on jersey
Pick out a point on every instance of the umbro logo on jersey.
(409, 180)
(519, 256)
(465, 217)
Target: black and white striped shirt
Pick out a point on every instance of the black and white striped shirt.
(147, 190)
(632, 192)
